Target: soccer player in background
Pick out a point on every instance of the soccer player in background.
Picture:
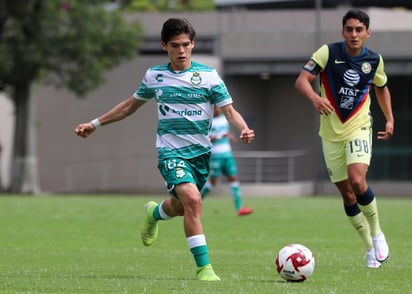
(222, 161)
(347, 71)
(185, 93)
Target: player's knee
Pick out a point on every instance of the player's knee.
(193, 206)
(359, 185)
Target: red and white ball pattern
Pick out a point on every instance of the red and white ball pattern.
(295, 262)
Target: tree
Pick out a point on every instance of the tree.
(64, 43)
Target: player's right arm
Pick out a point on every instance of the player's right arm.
(119, 112)
(304, 86)
(307, 76)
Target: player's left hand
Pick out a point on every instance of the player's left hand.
(247, 136)
(385, 135)
(85, 129)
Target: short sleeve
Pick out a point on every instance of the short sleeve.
(380, 78)
(321, 56)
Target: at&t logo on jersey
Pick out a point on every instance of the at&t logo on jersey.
(351, 78)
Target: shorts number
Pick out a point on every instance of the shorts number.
(357, 146)
(173, 163)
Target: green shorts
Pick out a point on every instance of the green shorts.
(338, 155)
(225, 165)
(176, 171)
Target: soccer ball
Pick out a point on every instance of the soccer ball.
(295, 263)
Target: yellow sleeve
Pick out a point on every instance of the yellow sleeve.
(380, 78)
(321, 56)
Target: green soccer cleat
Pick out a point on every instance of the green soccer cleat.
(206, 273)
(149, 231)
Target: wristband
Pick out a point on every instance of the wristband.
(96, 123)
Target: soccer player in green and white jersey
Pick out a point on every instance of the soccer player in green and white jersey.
(347, 71)
(222, 161)
(185, 93)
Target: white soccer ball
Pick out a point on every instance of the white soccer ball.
(295, 263)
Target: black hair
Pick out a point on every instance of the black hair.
(356, 14)
(176, 26)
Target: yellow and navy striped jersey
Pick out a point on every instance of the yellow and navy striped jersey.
(185, 102)
(345, 81)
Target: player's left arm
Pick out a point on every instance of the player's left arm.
(246, 135)
(384, 100)
(383, 96)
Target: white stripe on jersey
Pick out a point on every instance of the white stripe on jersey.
(185, 104)
(169, 141)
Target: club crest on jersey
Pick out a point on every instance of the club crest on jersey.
(196, 79)
(366, 67)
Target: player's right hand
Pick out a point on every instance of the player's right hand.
(323, 106)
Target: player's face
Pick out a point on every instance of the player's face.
(355, 34)
(179, 48)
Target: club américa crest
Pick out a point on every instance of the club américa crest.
(366, 67)
(196, 79)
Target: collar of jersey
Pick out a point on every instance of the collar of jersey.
(180, 71)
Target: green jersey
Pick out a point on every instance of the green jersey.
(185, 102)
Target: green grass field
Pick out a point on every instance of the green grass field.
(91, 244)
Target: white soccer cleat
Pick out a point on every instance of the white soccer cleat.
(371, 261)
(381, 247)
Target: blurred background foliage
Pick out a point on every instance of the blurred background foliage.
(167, 5)
(68, 44)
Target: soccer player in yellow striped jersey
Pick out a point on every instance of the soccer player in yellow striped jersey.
(347, 70)
(185, 93)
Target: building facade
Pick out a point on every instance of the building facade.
(259, 54)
